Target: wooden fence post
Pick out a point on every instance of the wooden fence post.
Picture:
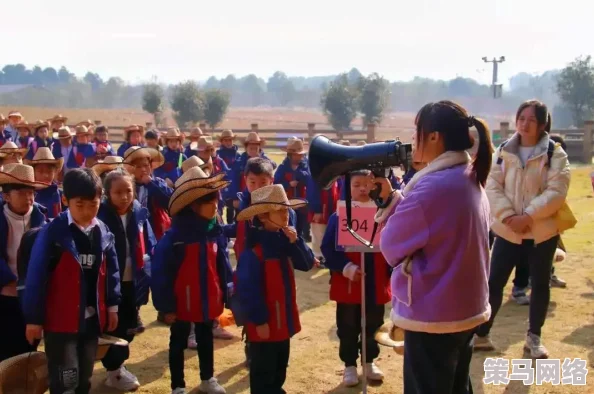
(310, 131)
(504, 131)
(202, 126)
(587, 147)
(254, 127)
(371, 127)
(97, 123)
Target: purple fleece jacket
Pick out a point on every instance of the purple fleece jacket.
(443, 223)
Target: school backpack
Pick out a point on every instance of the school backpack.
(24, 255)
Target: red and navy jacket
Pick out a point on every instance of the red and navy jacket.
(55, 291)
(107, 145)
(78, 155)
(170, 168)
(141, 243)
(156, 201)
(229, 155)
(343, 290)
(51, 199)
(191, 270)
(285, 174)
(237, 176)
(266, 284)
(321, 201)
(38, 143)
(24, 142)
(37, 220)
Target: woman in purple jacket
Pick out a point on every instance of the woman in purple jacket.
(437, 239)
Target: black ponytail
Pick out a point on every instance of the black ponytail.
(481, 164)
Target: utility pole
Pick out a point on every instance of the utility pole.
(497, 87)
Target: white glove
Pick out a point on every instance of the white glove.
(350, 270)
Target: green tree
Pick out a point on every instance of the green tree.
(216, 104)
(575, 85)
(374, 97)
(339, 103)
(282, 87)
(187, 103)
(152, 100)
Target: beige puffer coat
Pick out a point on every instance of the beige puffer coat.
(534, 189)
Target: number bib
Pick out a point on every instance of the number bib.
(363, 219)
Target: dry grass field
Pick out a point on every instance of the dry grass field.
(315, 367)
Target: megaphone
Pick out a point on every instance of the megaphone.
(328, 160)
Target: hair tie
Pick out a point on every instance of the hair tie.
(471, 121)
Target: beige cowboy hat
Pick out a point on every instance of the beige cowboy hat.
(26, 373)
(44, 156)
(58, 118)
(196, 132)
(361, 143)
(295, 145)
(82, 130)
(174, 134)
(193, 184)
(391, 336)
(23, 125)
(20, 174)
(344, 142)
(204, 142)
(227, 134)
(253, 138)
(134, 127)
(87, 123)
(192, 161)
(267, 199)
(14, 114)
(39, 124)
(136, 152)
(11, 147)
(105, 342)
(110, 163)
(64, 133)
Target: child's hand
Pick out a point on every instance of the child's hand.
(236, 204)
(9, 290)
(112, 321)
(291, 233)
(145, 179)
(170, 318)
(293, 183)
(33, 333)
(263, 331)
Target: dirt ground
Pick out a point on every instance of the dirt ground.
(315, 367)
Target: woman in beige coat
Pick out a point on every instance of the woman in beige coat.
(527, 185)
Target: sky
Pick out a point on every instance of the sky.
(177, 40)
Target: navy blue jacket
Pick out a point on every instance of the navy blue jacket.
(51, 199)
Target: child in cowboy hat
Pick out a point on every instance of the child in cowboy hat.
(191, 148)
(133, 137)
(152, 192)
(266, 285)
(73, 298)
(102, 145)
(188, 260)
(64, 148)
(46, 169)
(24, 138)
(110, 163)
(171, 169)
(11, 153)
(228, 152)
(345, 289)
(293, 174)
(206, 152)
(41, 138)
(57, 122)
(10, 131)
(18, 214)
(127, 220)
(82, 150)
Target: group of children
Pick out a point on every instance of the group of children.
(98, 234)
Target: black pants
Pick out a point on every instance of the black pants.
(437, 363)
(302, 226)
(127, 319)
(522, 274)
(178, 342)
(268, 368)
(12, 329)
(71, 358)
(504, 257)
(348, 322)
(230, 215)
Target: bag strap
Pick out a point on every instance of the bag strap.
(499, 158)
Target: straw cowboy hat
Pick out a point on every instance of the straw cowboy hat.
(110, 163)
(196, 132)
(268, 199)
(24, 374)
(136, 152)
(391, 336)
(23, 125)
(253, 138)
(64, 133)
(193, 184)
(344, 142)
(87, 123)
(44, 156)
(105, 342)
(58, 118)
(82, 130)
(11, 147)
(204, 143)
(195, 161)
(295, 145)
(132, 128)
(227, 134)
(39, 124)
(174, 134)
(15, 114)
(20, 174)
(361, 143)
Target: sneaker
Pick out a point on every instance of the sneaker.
(211, 386)
(122, 380)
(220, 333)
(350, 377)
(483, 343)
(519, 296)
(179, 390)
(373, 372)
(558, 282)
(535, 346)
(192, 341)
